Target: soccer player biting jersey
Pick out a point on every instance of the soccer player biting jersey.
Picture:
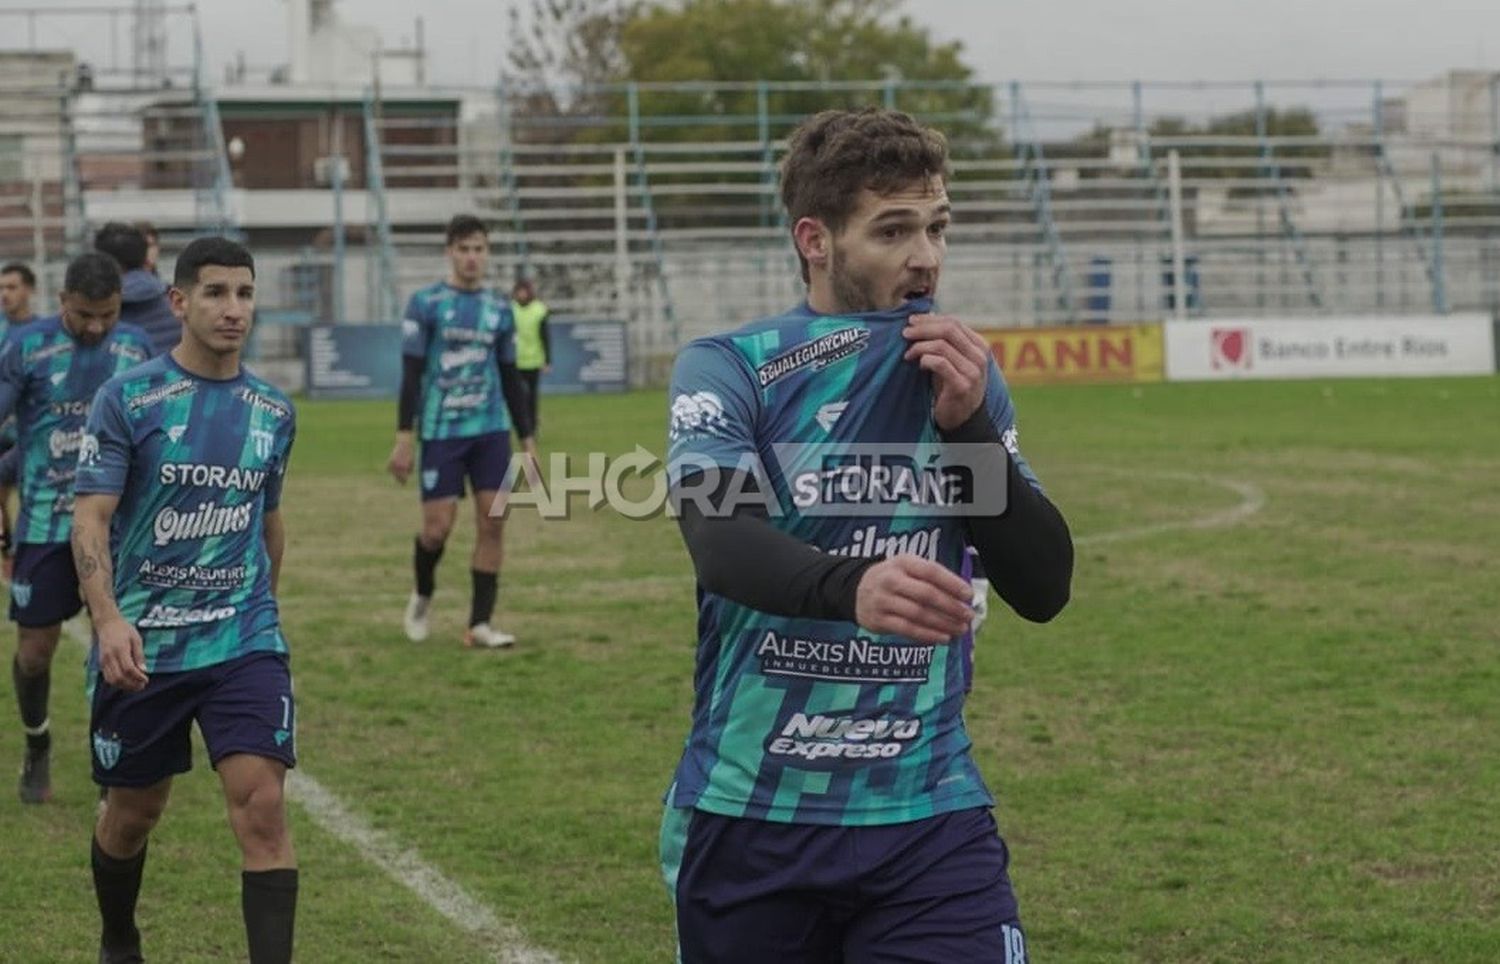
(184, 457)
(826, 807)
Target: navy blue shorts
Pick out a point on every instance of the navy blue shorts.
(242, 706)
(44, 588)
(446, 462)
(751, 891)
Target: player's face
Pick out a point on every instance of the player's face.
(87, 319)
(522, 294)
(467, 257)
(891, 249)
(15, 297)
(216, 311)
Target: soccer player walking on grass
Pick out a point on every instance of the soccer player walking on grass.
(826, 807)
(178, 539)
(459, 378)
(49, 371)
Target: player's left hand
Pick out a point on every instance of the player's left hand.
(533, 463)
(958, 360)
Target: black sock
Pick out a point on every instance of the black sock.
(268, 899)
(486, 588)
(425, 562)
(31, 695)
(117, 883)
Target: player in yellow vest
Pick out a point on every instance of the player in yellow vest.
(533, 344)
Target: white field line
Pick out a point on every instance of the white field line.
(505, 942)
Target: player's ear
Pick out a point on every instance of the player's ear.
(814, 241)
(178, 299)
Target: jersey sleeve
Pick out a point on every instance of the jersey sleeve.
(12, 377)
(278, 474)
(714, 410)
(104, 453)
(1002, 412)
(416, 328)
(505, 341)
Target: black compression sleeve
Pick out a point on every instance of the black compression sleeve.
(546, 341)
(411, 387)
(515, 399)
(741, 557)
(1027, 550)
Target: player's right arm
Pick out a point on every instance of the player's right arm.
(416, 335)
(122, 657)
(103, 467)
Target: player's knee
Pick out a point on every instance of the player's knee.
(260, 812)
(434, 534)
(129, 818)
(33, 660)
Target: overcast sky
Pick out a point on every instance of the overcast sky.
(1179, 40)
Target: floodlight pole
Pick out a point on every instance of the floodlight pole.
(1179, 254)
(622, 237)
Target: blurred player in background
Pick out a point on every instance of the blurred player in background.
(145, 295)
(178, 540)
(153, 245)
(458, 379)
(49, 372)
(533, 343)
(826, 807)
(17, 287)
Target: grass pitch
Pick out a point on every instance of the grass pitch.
(1267, 727)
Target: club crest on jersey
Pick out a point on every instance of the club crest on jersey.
(815, 355)
(262, 440)
(21, 593)
(107, 749)
(429, 478)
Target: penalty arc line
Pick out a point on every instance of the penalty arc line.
(505, 942)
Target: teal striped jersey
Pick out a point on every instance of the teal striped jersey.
(197, 464)
(462, 336)
(49, 379)
(820, 721)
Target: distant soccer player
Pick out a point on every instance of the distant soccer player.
(145, 295)
(17, 287)
(826, 807)
(458, 378)
(178, 541)
(49, 372)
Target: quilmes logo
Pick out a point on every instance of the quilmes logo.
(208, 519)
(62, 442)
(107, 749)
(816, 354)
(1229, 348)
(21, 593)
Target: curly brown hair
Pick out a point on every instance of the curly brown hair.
(832, 155)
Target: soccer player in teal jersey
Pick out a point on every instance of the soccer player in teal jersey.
(826, 807)
(178, 539)
(458, 380)
(17, 286)
(49, 371)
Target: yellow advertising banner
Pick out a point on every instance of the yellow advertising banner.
(1083, 353)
